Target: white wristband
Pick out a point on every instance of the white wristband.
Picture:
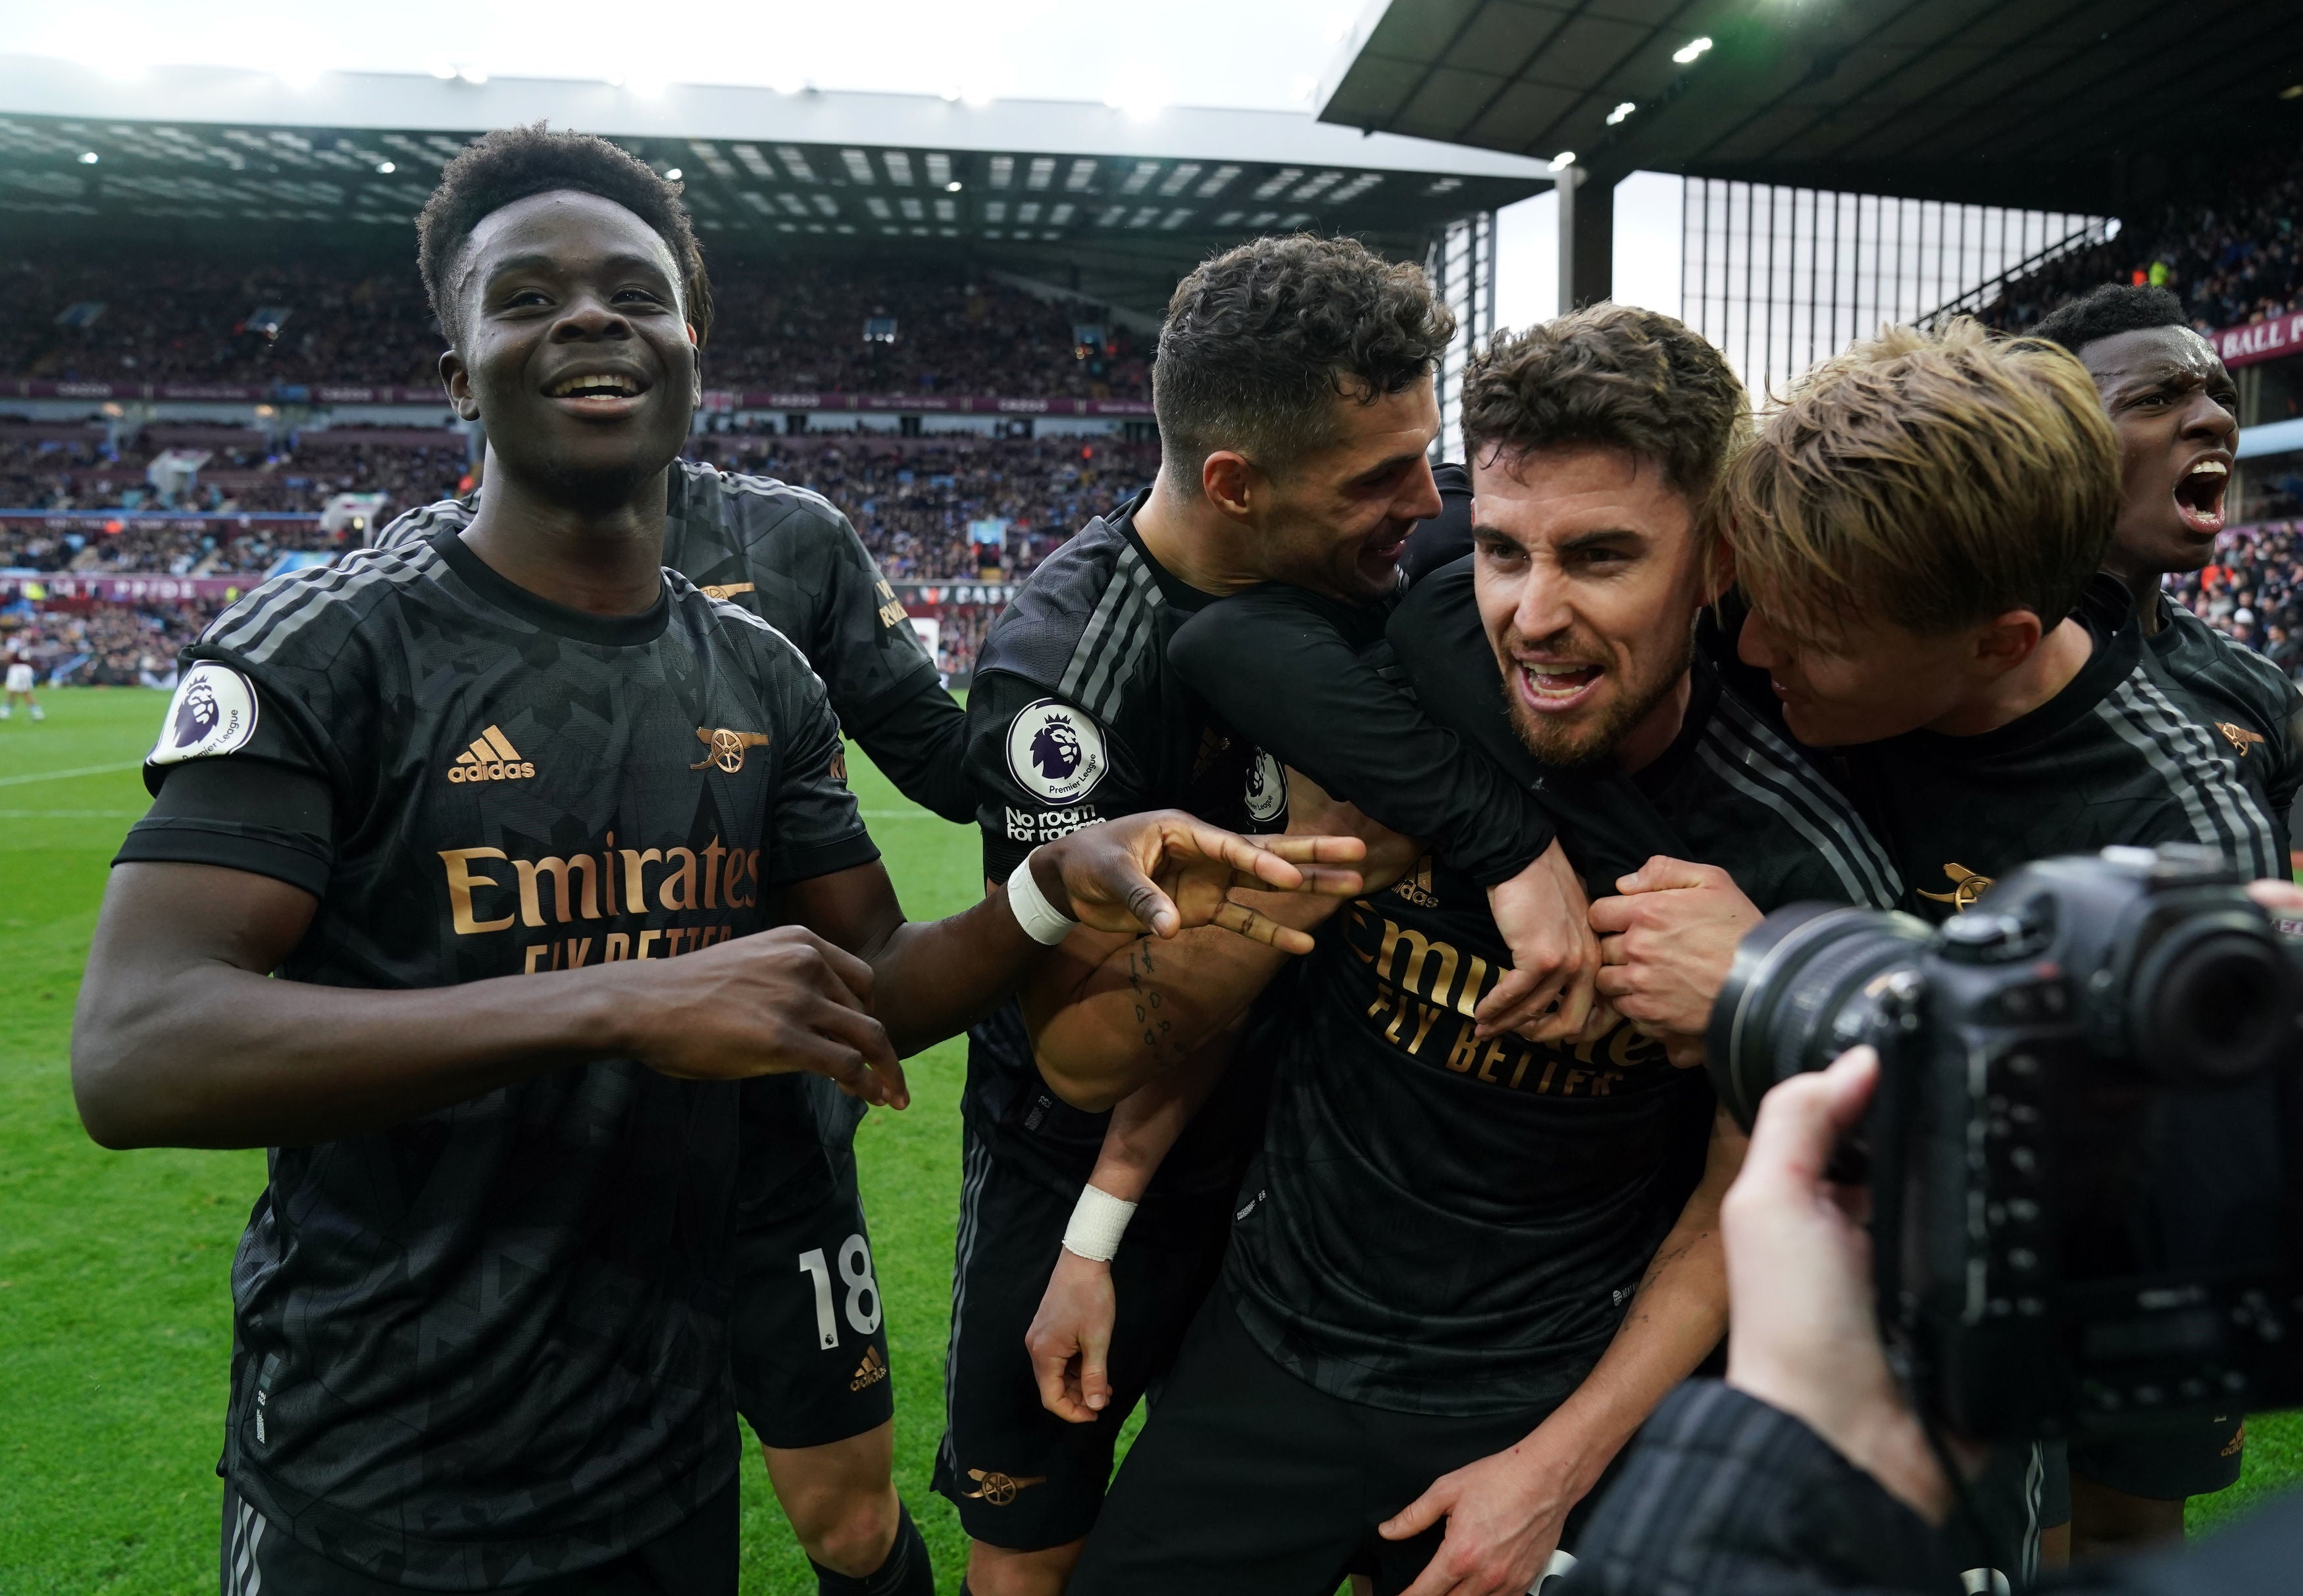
(1042, 920)
(1098, 1221)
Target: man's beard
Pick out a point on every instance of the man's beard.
(1593, 741)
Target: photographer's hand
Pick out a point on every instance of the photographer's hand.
(1801, 1333)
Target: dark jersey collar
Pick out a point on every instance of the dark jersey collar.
(612, 630)
(1702, 697)
(2107, 610)
(1181, 595)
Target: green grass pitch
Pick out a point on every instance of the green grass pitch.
(115, 1321)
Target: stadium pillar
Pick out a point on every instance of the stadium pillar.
(1587, 238)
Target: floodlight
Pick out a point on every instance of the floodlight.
(89, 157)
(953, 187)
(1692, 49)
(386, 168)
(1622, 110)
(671, 174)
(1563, 160)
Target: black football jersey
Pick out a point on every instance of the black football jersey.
(1076, 716)
(2250, 705)
(489, 1344)
(791, 557)
(1441, 1224)
(2128, 753)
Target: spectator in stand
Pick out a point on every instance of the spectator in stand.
(2234, 261)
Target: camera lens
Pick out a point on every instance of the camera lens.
(2212, 1003)
(1802, 990)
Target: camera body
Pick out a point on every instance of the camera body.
(2085, 1157)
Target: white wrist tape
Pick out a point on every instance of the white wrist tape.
(1098, 1221)
(1042, 920)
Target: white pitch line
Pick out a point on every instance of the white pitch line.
(18, 781)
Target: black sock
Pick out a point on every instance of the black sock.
(906, 1572)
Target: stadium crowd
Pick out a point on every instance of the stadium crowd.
(2231, 262)
(101, 645)
(794, 326)
(917, 503)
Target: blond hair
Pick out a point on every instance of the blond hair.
(1933, 479)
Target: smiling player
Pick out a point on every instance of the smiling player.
(811, 1359)
(466, 799)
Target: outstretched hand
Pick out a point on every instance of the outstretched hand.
(1165, 872)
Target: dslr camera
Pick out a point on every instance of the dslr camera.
(2084, 1158)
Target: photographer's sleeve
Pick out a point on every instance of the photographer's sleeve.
(1276, 666)
(1725, 1495)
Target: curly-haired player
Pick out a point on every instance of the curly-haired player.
(812, 1373)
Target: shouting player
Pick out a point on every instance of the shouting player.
(1918, 530)
(2174, 406)
(813, 1383)
(1294, 395)
(468, 799)
(1465, 1267)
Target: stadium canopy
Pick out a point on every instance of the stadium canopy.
(2101, 106)
(1119, 203)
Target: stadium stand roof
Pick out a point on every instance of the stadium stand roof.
(2039, 102)
(2049, 105)
(1122, 202)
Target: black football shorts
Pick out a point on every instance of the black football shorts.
(807, 1333)
(696, 1556)
(1022, 1478)
(1249, 1481)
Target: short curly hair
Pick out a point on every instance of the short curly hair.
(1933, 479)
(1611, 376)
(513, 163)
(2108, 311)
(1261, 339)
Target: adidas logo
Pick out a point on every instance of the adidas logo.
(872, 1370)
(490, 757)
(1416, 887)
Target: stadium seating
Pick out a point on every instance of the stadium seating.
(791, 327)
(2232, 262)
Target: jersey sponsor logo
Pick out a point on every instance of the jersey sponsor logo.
(1055, 751)
(1966, 887)
(2239, 736)
(490, 757)
(724, 748)
(996, 1489)
(724, 590)
(870, 1372)
(1047, 825)
(213, 713)
(1420, 1001)
(1267, 788)
(612, 884)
